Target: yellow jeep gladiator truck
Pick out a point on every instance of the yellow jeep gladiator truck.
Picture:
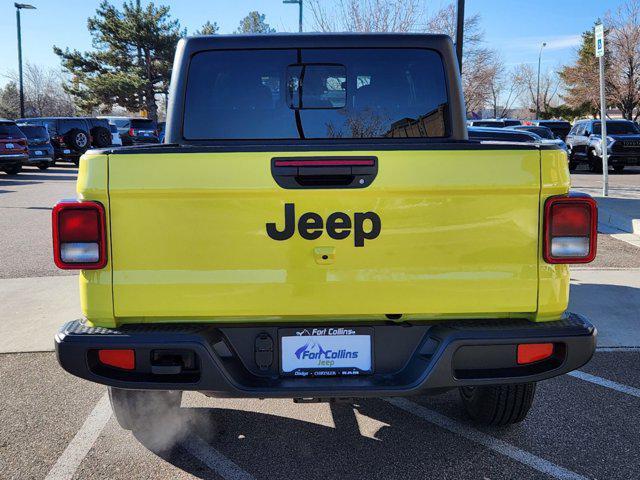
(318, 226)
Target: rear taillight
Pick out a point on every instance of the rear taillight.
(132, 132)
(79, 239)
(570, 229)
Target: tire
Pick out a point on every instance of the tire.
(498, 405)
(101, 137)
(573, 166)
(15, 170)
(618, 168)
(77, 139)
(44, 166)
(141, 410)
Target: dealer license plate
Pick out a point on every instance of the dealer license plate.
(326, 351)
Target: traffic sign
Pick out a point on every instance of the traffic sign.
(599, 36)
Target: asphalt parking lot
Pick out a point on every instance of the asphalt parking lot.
(53, 425)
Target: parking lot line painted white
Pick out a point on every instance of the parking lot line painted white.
(213, 459)
(485, 440)
(618, 349)
(80, 445)
(603, 382)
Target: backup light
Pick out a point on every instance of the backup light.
(79, 240)
(570, 229)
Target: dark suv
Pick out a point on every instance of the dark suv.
(13, 147)
(40, 149)
(585, 144)
(72, 136)
(560, 128)
(135, 131)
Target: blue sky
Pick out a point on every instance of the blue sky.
(514, 28)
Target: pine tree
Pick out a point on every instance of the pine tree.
(208, 29)
(254, 22)
(131, 61)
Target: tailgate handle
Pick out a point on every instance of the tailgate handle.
(324, 172)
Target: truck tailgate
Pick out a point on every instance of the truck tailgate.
(458, 237)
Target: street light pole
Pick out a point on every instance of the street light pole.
(544, 44)
(20, 6)
(459, 32)
(299, 2)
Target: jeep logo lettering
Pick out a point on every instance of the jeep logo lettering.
(366, 226)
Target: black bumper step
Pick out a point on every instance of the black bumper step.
(409, 358)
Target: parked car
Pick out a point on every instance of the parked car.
(135, 131)
(545, 133)
(501, 135)
(41, 152)
(72, 136)
(115, 135)
(290, 250)
(585, 144)
(13, 147)
(494, 122)
(560, 128)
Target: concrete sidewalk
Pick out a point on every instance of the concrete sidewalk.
(33, 309)
(610, 299)
(618, 215)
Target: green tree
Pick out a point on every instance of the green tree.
(208, 29)
(9, 101)
(581, 79)
(254, 22)
(131, 60)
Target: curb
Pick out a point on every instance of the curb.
(610, 219)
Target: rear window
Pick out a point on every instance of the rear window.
(34, 131)
(10, 129)
(143, 124)
(543, 132)
(490, 123)
(65, 125)
(315, 94)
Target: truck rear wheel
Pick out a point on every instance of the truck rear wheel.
(498, 405)
(140, 409)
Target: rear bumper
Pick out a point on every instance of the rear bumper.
(408, 359)
(12, 159)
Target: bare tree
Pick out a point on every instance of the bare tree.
(623, 40)
(481, 65)
(365, 15)
(44, 93)
(549, 87)
(506, 88)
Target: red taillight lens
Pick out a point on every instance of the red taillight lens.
(132, 132)
(124, 359)
(570, 229)
(79, 239)
(534, 352)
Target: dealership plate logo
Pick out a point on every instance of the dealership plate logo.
(322, 355)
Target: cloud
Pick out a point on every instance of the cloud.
(559, 42)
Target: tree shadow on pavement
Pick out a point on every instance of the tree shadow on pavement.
(370, 439)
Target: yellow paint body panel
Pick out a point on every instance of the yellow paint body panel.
(460, 238)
